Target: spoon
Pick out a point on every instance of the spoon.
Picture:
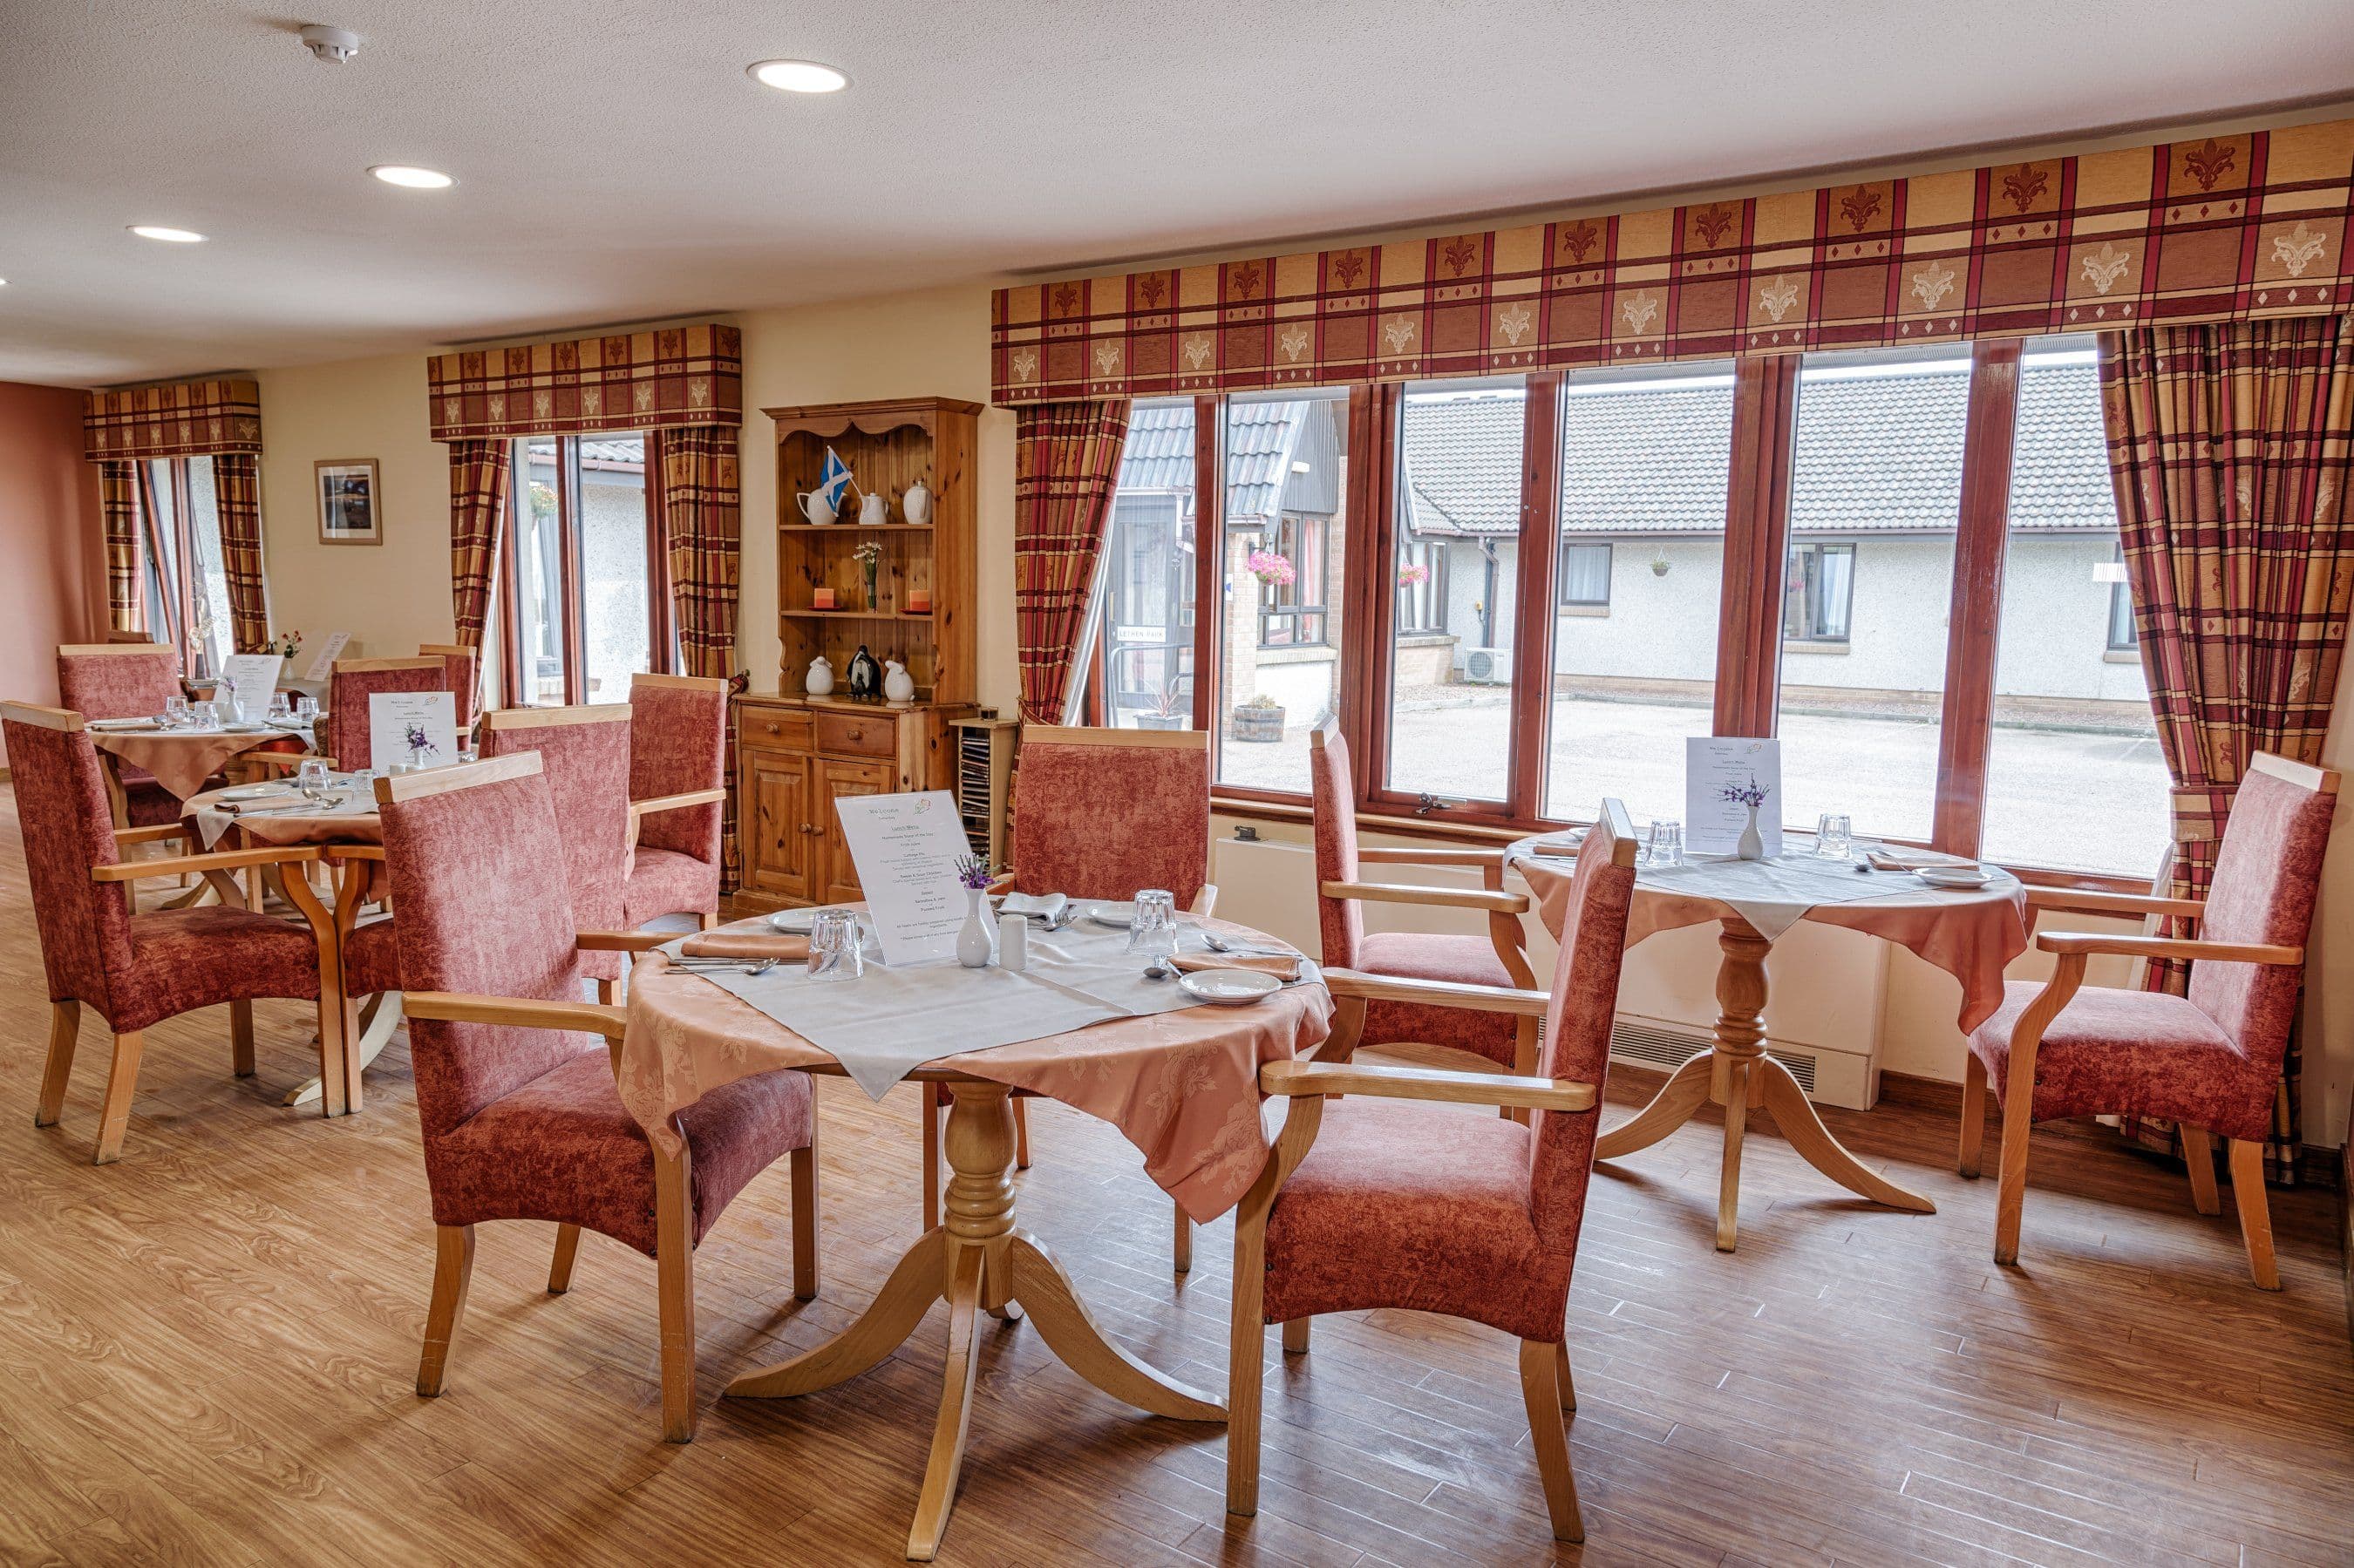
(1160, 968)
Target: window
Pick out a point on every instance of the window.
(1291, 607)
(1146, 595)
(586, 585)
(1818, 591)
(2123, 638)
(1421, 586)
(186, 580)
(1584, 577)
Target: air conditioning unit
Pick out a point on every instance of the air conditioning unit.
(1488, 666)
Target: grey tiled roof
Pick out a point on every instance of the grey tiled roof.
(1262, 439)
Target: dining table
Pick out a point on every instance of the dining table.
(1971, 932)
(184, 758)
(1079, 1023)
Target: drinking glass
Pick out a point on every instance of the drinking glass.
(306, 707)
(835, 953)
(1667, 847)
(312, 777)
(1152, 929)
(280, 708)
(215, 714)
(1834, 836)
(175, 712)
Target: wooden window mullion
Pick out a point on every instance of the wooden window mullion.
(1757, 528)
(1368, 640)
(1540, 551)
(519, 678)
(1982, 539)
(567, 572)
(1209, 567)
(661, 641)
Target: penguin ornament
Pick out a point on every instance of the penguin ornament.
(866, 675)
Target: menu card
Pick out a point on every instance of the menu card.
(415, 728)
(905, 849)
(251, 677)
(1715, 767)
(329, 651)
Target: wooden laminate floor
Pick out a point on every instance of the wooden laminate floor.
(207, 1352)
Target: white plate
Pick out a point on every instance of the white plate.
(1104, 912)
(256, 791)
(801, 922)
(245, 728)
(1229, 987)
(1954, 876)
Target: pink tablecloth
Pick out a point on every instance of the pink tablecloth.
(265, 827)
(1181, 1087)
(180, 759)
(1971, 936)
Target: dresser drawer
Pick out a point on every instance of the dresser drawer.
(857, 736)
(771, 728)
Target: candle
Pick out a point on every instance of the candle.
(822, 600)
(919, 601)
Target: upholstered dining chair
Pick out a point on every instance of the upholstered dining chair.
(134, 968)
(2208, 1061)
(1099, 813)
(124, 679)
(459, 666)
(515, 1084)
(678, 787)
(352, 682)
(1375, 1202)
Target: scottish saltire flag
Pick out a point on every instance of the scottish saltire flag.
(837, 474)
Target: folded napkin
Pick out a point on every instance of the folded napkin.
(1284, 967)
(123, 724)
(1885, 858)
(1046, 907)
(744, 945)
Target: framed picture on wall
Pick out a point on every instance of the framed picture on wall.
(350, 509)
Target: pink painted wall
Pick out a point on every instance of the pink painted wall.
(52, 546)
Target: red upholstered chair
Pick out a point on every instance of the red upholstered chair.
(2208, 1061)
(515, 1084)
(1375, 1203)
(124, 679)
(678, 785)
(1494, 960)
(352, 682)
(135, 970)
(458, 665)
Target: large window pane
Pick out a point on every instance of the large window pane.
(162, 552)
(538, 573)
(209, 585)
(615, 571)
(1147, 592)
(1286, 536)
(2074, 777)
(1868, 585)
(1643, 474)
(1458, 500)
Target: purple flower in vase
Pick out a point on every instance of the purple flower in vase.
(1752, 795)
(972, 872)
(420, 744)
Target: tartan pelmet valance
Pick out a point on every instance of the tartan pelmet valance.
(628, 381)
(2222, 228)
(187, 418)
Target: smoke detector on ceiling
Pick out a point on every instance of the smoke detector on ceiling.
(333, 46)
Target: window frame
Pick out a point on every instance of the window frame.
(168, 576)
(1289, 604)
(1819, 548)
(2121, 608)
(1609, 564)
(571, 588)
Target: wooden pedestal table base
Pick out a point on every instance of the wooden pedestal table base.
(979, 1263)
(1736, 1072)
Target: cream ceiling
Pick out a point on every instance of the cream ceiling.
(616, 165)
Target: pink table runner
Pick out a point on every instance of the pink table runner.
(183, 759)
(1181, 1087)
(1969, 935)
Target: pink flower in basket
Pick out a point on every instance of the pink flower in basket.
(1413, 576)
(1273, 569)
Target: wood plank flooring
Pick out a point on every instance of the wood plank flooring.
(207, 1350)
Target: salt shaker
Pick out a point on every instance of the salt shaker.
(1012, 942)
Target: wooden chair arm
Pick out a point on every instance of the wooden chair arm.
(1003, 882)
(1345, 983)
(1437, 897)
(625, 941)
(653, 803)
(1502, 1089)
(154, 834)
(196, 864)
(1474, 858)
(2124, 947)
(352, 852)
(2076, 901)
(280, 758)
(522, 1011)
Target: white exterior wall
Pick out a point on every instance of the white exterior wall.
(1659, 628)
(2059, 621)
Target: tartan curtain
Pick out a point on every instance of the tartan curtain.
(695, 467)
(1065, 466)
(118, 505)
(478, 508)
(2230, 450)
(237, 501)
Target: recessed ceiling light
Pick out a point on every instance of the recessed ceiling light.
(415, 178)
(174, 236)
(798, 76)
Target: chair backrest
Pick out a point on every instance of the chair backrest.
(1104, 813)
(459, 663)
(1332, 788)
(2267, 872)
(1577, 1024)
(117, 680)
(69, 830)
(471, 852)
(585, 756)
(678, 744)
(352, 682)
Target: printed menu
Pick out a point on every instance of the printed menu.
(420, 728)
(1718, 770)
(905, 849)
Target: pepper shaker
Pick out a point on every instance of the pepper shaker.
(1012, 942)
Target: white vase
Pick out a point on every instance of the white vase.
(977, 940)
(1752, 846)
(820, 679)
(899, 686)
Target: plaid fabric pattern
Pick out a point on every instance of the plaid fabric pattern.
(2226, 227)
(118, 506)
(190, 418)
(2231, 449)
(1065, 466)
(236, 498)
(479, 474)
(702, 538)
(635, 381)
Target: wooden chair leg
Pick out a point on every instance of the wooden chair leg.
(1973, 1100)
(2255, 1211)
(1184, 1250)
(2011, 1197)
(2198, 1160)
(805, 1216)
(115, 1114)
(1021, 1135)
(608, 991)
(1561, 1373)
(1245, 1360)
(931, 1116)
(708, 919)
(568, 1249)
(454, 1270)
(65, 1028)
(674, 1275)
(1295, 1336)
(1541, 1391)
(240, 1038)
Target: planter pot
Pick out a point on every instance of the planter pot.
(1259, 724)
(1155, 720)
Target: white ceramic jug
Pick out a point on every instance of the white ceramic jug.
(917, 504)
(872, 510)
(816, 507)
(820, 679)
(899, 686)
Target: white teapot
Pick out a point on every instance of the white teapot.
(820, 679)
(899, 686)
(816, 506)
(917, 504)
(872, 510)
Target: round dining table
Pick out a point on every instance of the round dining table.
(183, 759)
(1969, 932)
(1180, 1086)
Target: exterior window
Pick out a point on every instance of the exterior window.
(186, 580)
(586, 583)
(2123, 638)
(1584, 576)
(1291, 609)
(1818, 591)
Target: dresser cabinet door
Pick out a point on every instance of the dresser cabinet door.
(780, 830)
(838, 879)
